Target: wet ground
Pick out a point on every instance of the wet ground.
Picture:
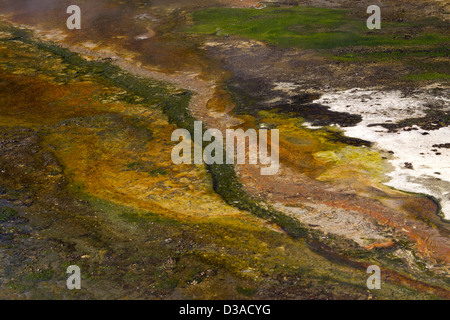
(87, 179)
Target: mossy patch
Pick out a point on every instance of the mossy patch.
(305, 27)
(42, 275)
(247, 292)
(7, 214)
(427, 76)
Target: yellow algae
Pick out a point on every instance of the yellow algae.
(116, 150)
(353, 163)
(313, 152)
(298, 144)
(140, 176)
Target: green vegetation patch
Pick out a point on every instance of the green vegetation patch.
(7, 214)
(427, 76)
(308, 27)
(394, 54)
